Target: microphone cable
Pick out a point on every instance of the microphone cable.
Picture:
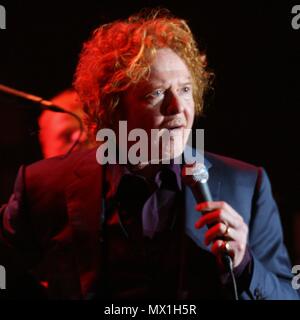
(227, 261)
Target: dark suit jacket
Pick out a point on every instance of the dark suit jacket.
(55, 213)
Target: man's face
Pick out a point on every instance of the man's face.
(164, 102)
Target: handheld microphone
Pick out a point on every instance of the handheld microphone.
(196, 176)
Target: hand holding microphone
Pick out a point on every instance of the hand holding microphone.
(227, 231)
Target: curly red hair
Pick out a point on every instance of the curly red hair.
(120, 54)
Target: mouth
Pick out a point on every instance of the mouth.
(172, 130)
(175, 127)
(175, 124)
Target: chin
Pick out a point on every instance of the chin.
(171, 152)
(168, 146)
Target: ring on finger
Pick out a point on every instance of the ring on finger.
(226, 232)
(226, 246)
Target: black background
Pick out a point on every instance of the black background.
(251, 47)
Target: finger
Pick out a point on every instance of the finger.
(217, 216)
(217, 205)
(220, 247)
(216, 248)
(209, 205)
(219, 231)
(212, 216)
(215, 232)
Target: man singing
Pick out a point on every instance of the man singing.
(134, 230)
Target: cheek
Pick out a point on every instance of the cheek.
(140, 120)
(151, 121)
(149, 117)
(190, 112)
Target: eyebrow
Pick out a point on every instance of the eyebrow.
(150, 86)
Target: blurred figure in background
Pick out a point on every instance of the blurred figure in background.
(59, 131)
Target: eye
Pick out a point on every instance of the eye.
(186, 89)
(155, 94)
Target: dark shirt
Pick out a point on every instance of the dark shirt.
(135, 197)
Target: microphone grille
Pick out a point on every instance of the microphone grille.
(195, 173)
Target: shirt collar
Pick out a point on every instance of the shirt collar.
(115, 172)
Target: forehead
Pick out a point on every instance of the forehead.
(167, 64)
(167, 60)
(167, 69)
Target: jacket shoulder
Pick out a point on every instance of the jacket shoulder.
(233, 170)
(230, 163)
(57, 171)
(60, 163)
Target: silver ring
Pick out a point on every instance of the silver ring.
(226, 232)
(226, 246)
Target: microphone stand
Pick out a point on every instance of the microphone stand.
(44, 105)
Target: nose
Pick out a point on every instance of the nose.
(173, 104)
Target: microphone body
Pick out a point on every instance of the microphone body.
(201, 192)
(196, 176)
